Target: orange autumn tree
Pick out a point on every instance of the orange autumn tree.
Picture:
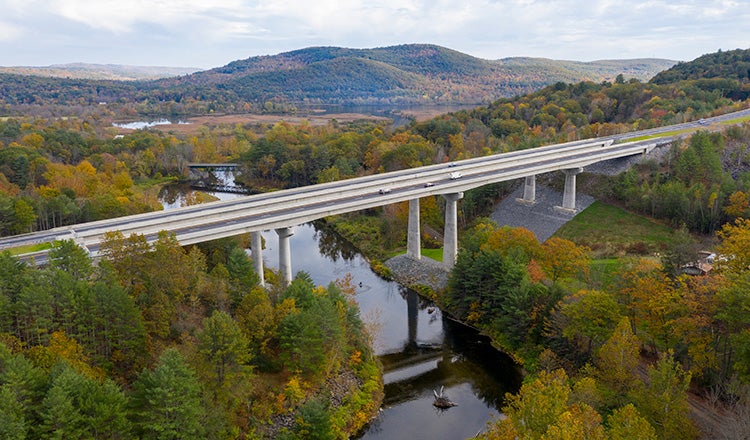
(561, 258)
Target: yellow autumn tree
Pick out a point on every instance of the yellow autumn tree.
(738, 205)
(617, 363)
(580, 421)
(539, 403)
(649, 296)
(519, 242)
(626, 424)
(734, 250)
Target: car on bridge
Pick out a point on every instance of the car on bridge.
(384, 190)
(455, 175)
(428, 184)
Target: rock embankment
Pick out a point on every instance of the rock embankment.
(424, 272)
(543, 217)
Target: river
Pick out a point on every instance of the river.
(421, 349)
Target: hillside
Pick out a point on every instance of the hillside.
(731, 65)
(406, 74)
(597, 71)
(414, 73)
(100, 71)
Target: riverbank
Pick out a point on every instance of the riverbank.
(352, 403)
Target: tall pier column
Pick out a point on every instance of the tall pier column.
(529, 190)
(285, 255)
(256, 246)
(569, 194)
(450, 240)
(413, 239)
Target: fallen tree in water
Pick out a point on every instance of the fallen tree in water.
(442, 401)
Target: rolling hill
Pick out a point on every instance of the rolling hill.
(731, 65)
(414, 73)
(100, 71)
(405, 74)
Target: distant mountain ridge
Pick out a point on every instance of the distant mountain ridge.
(410, 74)
(407, 73)
(115, 72)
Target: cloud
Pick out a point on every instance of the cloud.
(120, 17)
(214, 32)
(9, 32)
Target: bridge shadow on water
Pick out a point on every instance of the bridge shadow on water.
(464, 356)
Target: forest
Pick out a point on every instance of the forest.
(612, 356)
(611, 349)
(164, 342)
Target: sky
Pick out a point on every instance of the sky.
(213, 33)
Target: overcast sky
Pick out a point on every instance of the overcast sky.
(212, 33)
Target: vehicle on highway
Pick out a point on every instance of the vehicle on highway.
(428, 184)
(455, 175)
(384, 190)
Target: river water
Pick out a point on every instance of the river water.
(422, 350)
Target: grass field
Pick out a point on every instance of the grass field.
(31, 248)
(613, 232)
(660, 135)
(734, 121)
(435, 254)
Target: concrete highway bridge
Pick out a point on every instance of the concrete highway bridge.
(282, 210)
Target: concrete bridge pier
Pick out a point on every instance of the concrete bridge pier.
(450, 240)
(413, 239)
(256, 246)
(529, 191)
(285, 255)
(569, 194)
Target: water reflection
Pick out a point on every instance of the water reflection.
(138, 125)
(176, 195)
(332, 245)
